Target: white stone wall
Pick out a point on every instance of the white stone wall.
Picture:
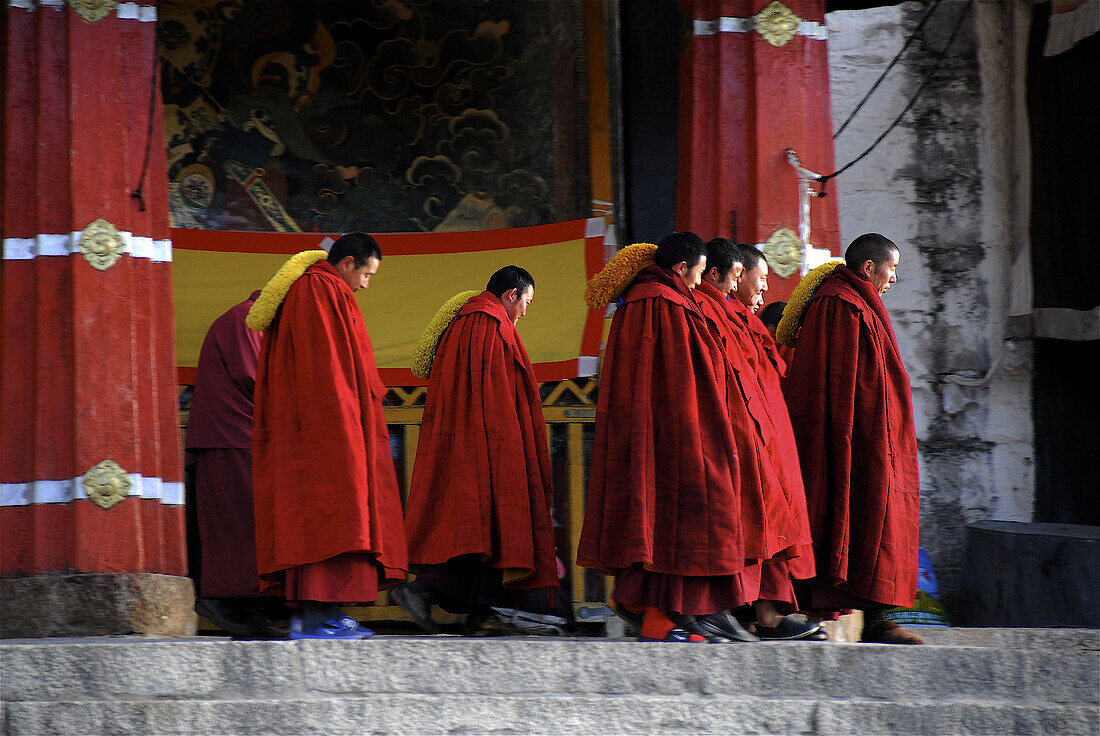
(944, 186)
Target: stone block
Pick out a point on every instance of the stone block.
(443, 714)
(1031, 575)
(96, 604)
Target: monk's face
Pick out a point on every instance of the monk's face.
(357, 277)
(691, 275)
(727, 282)
(886, 275)
(752, 285)
(515, 303)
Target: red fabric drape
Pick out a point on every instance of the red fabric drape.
(324, 476)
(482, 479)
(662, 488)
(766, 428)
(852, 412)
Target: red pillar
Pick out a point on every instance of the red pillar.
(91, 493)
(754, 81)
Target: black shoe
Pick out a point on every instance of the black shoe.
(790, 629)
(262, 625)
(239, 620)
(634, 620)
(417, 604)
(723, 624)
(691, 625)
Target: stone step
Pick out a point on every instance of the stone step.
(1064, 672)
(964, 681)
(544, 714)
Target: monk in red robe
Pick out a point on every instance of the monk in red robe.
(852, 411)
(478, 515)
(770, 315)
(219, 461)
(663, 512)
(328, 512)
(774, 520)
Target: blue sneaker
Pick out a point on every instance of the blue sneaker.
(350, 624)
(332, 629)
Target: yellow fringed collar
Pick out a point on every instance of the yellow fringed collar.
(421, 364)
(612, 280)
(795, 311)
(262, 313)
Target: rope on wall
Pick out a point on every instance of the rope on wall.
(908, 42)
(916, 96)
(137, 193)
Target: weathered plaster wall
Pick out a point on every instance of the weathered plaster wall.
(942, 186)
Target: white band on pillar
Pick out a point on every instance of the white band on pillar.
(65, 491)
(125, 11)
(64, 244)
(811, 29)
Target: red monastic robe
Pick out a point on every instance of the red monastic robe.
(785, 526)
(219, 445)
(662, 489)
(851, 407)
(325, 484)
(481, 483)
(769, 368)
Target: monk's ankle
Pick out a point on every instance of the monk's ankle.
(656, 624)
(636, 610)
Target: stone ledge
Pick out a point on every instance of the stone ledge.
(96, 604)
(1064, 672)
(426, 714)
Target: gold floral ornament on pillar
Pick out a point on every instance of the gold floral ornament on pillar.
(776, 23)
(101, 244)
(93, 11)
(106, 484)
(783, 250)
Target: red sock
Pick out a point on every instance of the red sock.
(656, 624)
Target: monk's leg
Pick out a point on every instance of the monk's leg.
(776, 595)
(320, 588)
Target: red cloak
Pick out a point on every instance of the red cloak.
(851, 407)
(324, 478)
(221, 410)
(763, 429)
(481, 483)
(662, 490)
(769, 368)
(219, 445)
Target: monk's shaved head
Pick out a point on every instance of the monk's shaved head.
(508, 278)
(679, 248)
(771, 314)
(750, 256)
(869, 247)
(359, 246)
(722, 254)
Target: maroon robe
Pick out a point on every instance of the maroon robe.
(769, 367)
(328, 510)
(772, 517)
(219, 445)
(851, 407)
(481, 484)
(663, 502)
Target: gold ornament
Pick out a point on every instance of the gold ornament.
(106, 484)
(776, 23)
(101, 244)
(93, 11)
(783, 249)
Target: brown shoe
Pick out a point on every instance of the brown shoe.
(888, 632)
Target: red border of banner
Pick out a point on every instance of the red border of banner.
(409, 244)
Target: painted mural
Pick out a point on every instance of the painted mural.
(376, 115)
